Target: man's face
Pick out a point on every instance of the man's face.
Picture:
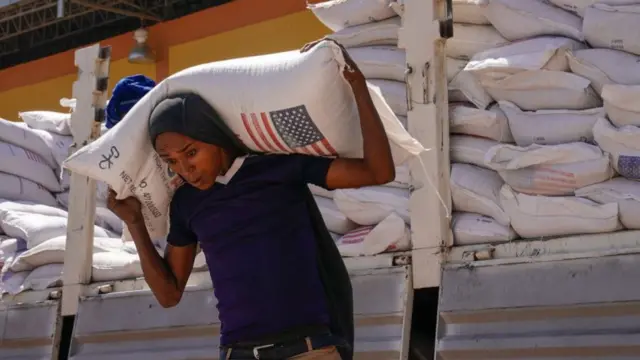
(198, 163)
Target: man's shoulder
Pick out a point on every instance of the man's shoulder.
(270, 162)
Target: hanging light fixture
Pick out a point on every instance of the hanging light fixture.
(141, 52)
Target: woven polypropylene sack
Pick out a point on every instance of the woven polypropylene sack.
(522, 19)
(613, 27)
(253, 96)
(340, 14)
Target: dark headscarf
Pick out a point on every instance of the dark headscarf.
(192, 116)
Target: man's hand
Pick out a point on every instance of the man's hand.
(128, 210)
(351, 71)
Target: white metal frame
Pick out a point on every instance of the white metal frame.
(90, 92)
(428, 122)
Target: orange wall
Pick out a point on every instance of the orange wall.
(239, 28)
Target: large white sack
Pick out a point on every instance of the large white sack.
(52, 252)
(380, 62)
(376, 33)
(580, 6)
(469, 120)
(543, 89)
(18, 189)
(549, 169)
(340, 14)
(454, 66)
(58, 144)
(550, 127)
(473, 229)
(540, 53)
(621, 104)
(370, 205)
(391, 234)
(336, 221)
(322, 192)
(470, 149)
(10, 248)
(476, 190)
(115, 265)
(32, 208)
(624, 192)
(469, 40)
(52, 121)
(394, 93)
(623, 144)
(19, 134)
(11, 282)
(605, 66)
(28, 165)
(105, 218)
(470, 11)
(37, 228)
(402, 181)
(614, 27)
(522, 19)
(125, 160)
(465, 87)
(43, 277)
(537, 216)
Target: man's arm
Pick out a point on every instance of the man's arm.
(167, 277)
(376, 166)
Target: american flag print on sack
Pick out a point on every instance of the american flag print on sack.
(287, 130)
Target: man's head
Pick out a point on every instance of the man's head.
(190, 136)
(198, 163)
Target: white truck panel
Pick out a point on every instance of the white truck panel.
(566, 309)
(131, 324)
(27, 329)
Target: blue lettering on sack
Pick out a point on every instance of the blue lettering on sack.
(629, 166)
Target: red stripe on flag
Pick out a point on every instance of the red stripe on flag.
(317, 149)
(359, 232)
(247, 127)
(328, 146)
(272, 134)
(256, 126)
(303, 150)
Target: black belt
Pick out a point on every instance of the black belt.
(281, 350)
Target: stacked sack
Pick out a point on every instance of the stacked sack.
(549, 85)
(33, 202)
(370, 220)
(613, 66)
(476, 126)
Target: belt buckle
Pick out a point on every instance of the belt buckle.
(256, 350)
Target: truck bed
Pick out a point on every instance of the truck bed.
(122, 320)
(565, 298)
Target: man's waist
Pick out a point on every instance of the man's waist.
(288, 335)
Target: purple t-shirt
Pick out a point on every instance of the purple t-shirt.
(255, 231)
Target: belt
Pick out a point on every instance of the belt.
(280, 350)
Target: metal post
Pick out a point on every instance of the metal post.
(90, 92)
(60, 9)
(428, 122)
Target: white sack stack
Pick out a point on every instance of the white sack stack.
(35, 223)
(374, 219)
(555, 93)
